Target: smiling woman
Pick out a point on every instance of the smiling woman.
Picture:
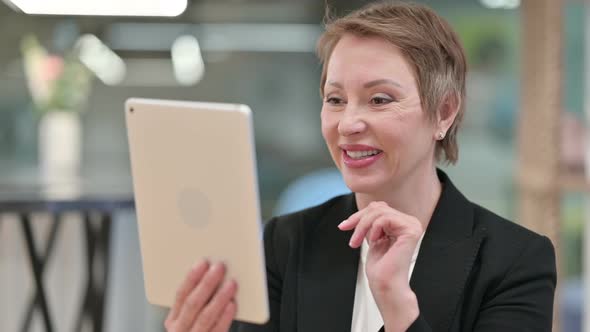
(372, 104)
(406, 251)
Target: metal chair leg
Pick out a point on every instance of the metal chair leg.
(37, 266)
(44, 258)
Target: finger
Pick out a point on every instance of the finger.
(390, 224)
(402, 235)
(212, 311)
(377, 230)
(352, 221)
(363, 227)
(192, 279)
(199, 296)
(401, 250)
(224, 322)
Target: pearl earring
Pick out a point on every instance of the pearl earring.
(441, 135)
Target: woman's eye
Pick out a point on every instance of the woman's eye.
(381, 100)
(334, 101)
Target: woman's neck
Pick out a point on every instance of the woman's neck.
(417, 195)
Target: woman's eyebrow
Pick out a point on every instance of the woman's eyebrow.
(382, 81)
(335, 84)
(370, 84)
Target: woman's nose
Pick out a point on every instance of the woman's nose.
(351, 123)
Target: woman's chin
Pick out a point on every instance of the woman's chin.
(362, 185)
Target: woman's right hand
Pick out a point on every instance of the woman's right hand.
(205, 302)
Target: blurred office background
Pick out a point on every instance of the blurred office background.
(261, 53)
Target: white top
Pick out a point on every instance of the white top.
(365, 315)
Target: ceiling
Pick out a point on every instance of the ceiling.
(14, 25)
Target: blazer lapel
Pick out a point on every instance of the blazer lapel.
(446, 257)
(329, 269)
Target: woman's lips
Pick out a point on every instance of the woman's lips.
(361, 162)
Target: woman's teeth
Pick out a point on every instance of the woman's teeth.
(362, 154)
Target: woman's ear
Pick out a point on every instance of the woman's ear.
(447, 112)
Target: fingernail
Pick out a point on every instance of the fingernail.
(342, 223)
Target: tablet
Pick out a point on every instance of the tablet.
(196, 195)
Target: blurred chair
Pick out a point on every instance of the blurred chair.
(311, 189)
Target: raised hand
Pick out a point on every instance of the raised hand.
(204, 301)
(392, 237)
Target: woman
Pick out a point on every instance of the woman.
(406, 251)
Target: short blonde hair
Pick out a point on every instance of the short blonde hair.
(427, 42)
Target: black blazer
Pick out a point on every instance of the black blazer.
(475, 271)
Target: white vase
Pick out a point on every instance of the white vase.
(60, 138)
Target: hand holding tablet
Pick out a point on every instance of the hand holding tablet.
(204, 302)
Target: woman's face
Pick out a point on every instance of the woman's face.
(372, 119)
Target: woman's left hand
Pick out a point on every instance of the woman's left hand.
(392, 237)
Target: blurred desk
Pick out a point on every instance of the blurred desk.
(96, 203)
